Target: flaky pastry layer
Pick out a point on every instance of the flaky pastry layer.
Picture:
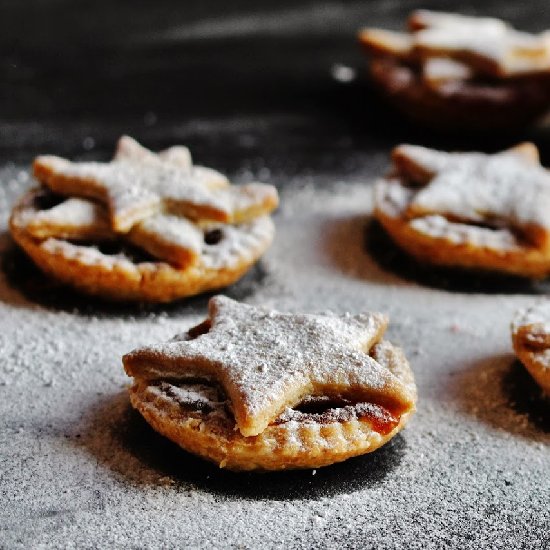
(119, 278)
(531, 341)
(469, 210)
(300, 441)
(445, 250)
(460, 105)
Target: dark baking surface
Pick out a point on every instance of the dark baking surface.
(239, 82)
(247, 87)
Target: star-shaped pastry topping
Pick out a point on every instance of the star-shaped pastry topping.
(267, 361)
(74, 219)
(486, 45)
(129, 149)
(505, 189)
(171, 238)
(178, 156)
(136, 185)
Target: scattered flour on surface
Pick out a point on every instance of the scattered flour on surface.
(470, 471)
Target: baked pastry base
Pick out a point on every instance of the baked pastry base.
(295, 440)
(522, 260)
(531, 341)
(116, 277)
(463, 107)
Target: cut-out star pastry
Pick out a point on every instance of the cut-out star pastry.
(506, 188)
(142, 226)
(128, 149)
(267, 361)
(470, 209)
(171, 238)
(133, 191)
(75, 219)
(453, 70)
(486, 44)
(255, 389)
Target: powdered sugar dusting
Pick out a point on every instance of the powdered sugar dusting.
(72, 211)
(474, 187)
(512, 51)
(493, 201)
(238, 243)
(178, 156)
(174, 231)
(470, 470)
(339, 414)
(438, 70)
(133, 190)
(266, 359)
(460, 233)
(199, 396)
(138, 183)
(476, 45)
(536, 314)
(151, 197)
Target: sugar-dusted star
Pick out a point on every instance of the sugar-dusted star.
(487, 44)
(510, 188)
(133, 190)
(267, 361)
(483, 45)
(75, 219)
(179, 156)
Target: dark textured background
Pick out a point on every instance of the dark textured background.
(242, 80)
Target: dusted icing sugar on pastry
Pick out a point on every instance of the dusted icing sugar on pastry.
(469, 209)
(531, 340)
(128, 149)
(177, 156)
(133, 191)
(459, 233)
(506, 188)
(538, 314)
(71, 219)
(488, 45)
(170, 238)
(193, 229)
(265, 360)
(274, 367)
(462, 72)
(441, 70)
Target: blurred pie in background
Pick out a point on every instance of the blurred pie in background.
(456, 72)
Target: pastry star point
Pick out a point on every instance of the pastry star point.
(510, 187)
(267, 360)
(138, 183)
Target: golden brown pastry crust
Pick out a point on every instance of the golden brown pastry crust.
(436, 237)
(117, 278)
(160, 206)
(531, 341)
(461, 73)
(524, 261)
(256, 389)
(280, 446)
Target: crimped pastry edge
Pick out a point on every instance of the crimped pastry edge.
(289, 445)
(123, 280)
(523, 261)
